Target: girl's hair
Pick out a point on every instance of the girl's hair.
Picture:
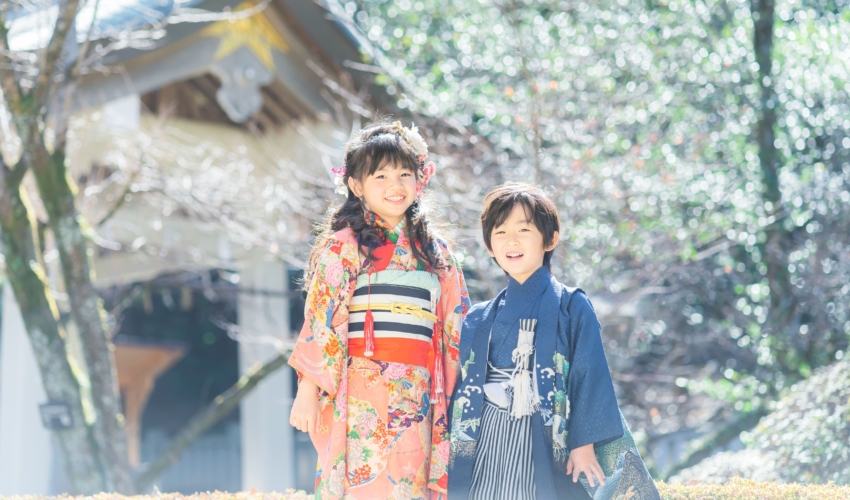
(367, 151)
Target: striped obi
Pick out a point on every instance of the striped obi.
(403, 305)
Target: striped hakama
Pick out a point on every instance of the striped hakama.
(503, 463)
(497, 456)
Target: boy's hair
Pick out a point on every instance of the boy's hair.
(538, 209)
(372, 147)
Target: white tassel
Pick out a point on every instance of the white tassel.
(524, 400)
(525, 343)
(524, 403)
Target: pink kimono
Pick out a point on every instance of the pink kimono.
(382, 435)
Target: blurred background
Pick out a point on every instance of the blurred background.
(164, 161)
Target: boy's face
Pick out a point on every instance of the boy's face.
(517, 245)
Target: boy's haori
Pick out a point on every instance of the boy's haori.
(385, 303)
(498, 452)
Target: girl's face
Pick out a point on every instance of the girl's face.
(517, 245)
(388, 192)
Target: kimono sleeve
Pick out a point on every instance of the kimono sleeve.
(322, 345)
(454, 304)
(451, 309)
(594, 414)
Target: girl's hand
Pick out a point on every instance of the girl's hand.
(305, 415)
(584, 460)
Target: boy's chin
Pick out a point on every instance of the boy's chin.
(510, 267)
(519, 268)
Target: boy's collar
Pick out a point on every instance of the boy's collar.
(532, 286)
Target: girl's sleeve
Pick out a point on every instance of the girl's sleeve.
(594, 414)
(322, 345)
(451, 310)
(454, 298)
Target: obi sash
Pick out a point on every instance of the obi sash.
(403, 308)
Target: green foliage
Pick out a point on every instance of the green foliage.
(805, 438)
(641, 119)
(808, 432)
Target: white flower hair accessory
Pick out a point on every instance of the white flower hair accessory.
(414, 139)
(420, 150)
(339, 180)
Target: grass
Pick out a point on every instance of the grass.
(744, 489)
(736, 489)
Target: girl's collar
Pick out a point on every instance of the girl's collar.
(392, 233)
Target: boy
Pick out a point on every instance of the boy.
(535, 416)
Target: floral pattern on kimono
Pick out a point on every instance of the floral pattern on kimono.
(381, 436)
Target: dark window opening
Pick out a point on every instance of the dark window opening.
(191, 311)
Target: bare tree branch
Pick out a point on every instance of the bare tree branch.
(75, 70)
(188, 15)
(47, 67)
(221, 406)
(119, 202)
(8, 82)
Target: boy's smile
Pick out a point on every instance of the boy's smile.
(517, 245)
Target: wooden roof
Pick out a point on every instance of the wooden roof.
(209, 60)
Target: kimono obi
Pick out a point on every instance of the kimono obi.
(403, 309)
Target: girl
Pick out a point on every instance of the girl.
(379, 346)
(536, 406)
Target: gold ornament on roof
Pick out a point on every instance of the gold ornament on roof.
(254, 32)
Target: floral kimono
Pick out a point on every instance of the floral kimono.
(384, 429)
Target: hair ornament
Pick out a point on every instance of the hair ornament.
(428, 171)
(414, 139)
(339, 180)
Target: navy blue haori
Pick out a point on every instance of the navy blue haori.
(574, 393)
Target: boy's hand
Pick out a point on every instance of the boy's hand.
(584, 460)
(306, 415)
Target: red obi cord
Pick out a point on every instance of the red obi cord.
(381, 259)
(399, 350)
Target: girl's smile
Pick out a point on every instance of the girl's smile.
(396, 199)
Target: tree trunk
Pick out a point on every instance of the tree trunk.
(29, 110)
(67, 225)
(95, 447)
(782, 301)
(26, 275)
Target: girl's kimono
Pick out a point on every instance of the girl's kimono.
(384, 430)
(497, 456)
